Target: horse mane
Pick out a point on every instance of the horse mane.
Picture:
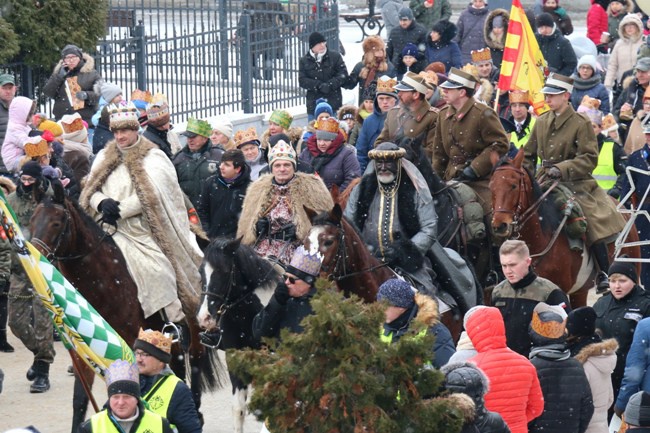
(255, 270)
(74, 207)
(549, 216)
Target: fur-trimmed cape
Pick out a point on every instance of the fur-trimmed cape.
(159, 203)
(304, 190)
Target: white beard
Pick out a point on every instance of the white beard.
(386, 178)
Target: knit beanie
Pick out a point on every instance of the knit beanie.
(110, 91)
(544, 20)
(637, 411)
(548, 324)
(406, 14)
(581, 322)
(624, 268)
(71, 49)
(32, 168)
(397, 292)
(315, 39)
(322, 106)
(497, 22)
(410, 49)
(224, 126)
(589, 60)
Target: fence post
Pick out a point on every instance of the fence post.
(223, 39)
(246, 62)
(140, 55)
(27, 82)
(334, 14)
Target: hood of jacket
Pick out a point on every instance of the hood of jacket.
(485, 328)
(427, 310)
(628, 7)
(19, 110)
(630, 19)
(500, 43)
(449, 32)
(478, 12)
(87, 64)
(602, 355)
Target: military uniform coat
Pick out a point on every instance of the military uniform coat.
(401, 122)
(568, 142)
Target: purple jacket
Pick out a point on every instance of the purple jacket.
(18, 129)
(340, 170)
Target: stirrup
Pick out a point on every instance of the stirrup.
(172, 329)
(211, 340)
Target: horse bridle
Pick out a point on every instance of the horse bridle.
(50, 253)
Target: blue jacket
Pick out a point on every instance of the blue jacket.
(636, 377)
(592, 87)
(370, 130)
(449, 54)
(641, 181)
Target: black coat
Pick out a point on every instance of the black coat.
(399, 37)
(159, 138)
(220, 204)
(633, 95)
(568, 404)
(275, 316)
(101, 136)
(558, 52)
(330, 71)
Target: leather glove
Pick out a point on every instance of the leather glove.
(391, 254)
(554, 173)
(281, 294)
(289, 232)
(614, 192)
(467, 174)
(63, 71)
(81, 95)
(262, 227)
(109, 208)
(325, 88)
(110, 219)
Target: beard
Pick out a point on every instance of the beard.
(386, 177)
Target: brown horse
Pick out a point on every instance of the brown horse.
(522, 211)
(347, 261)
(93, 263)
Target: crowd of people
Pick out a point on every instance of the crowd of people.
(425, 109)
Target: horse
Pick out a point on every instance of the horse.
(93, 263)
(347, 261)
(522, 211)
(229, 305)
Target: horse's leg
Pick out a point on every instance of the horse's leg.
(79, 398)
(579, 298)
(453, 320)
(239, 400)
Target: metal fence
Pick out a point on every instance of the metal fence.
(209, 57)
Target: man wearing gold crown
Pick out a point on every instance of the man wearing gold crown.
(133, 186)
(165, 394)
(520, 117)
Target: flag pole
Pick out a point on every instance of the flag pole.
(79, 374)
(496, 100)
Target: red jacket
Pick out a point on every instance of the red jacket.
(514, 387)
(596, 22)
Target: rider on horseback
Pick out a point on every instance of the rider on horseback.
(565, 143)
(133, 186)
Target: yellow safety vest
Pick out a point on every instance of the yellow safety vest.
(388, 339)
(160, 395)
(604, 172)
(149, 423)
(521, 142)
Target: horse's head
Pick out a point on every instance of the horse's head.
(325, 236)
(50, 222)
(231, 273)
(511, 188)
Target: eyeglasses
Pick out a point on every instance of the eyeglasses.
(141, 354)
(291, 280)
(70, 57)
(27, 179)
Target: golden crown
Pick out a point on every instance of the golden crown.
(386, 85)
(518, 96)
(590, 102)
(481, 55)
(157, 339)
(141, 95)
(430, 77)
(329, 124)
(550, 329)
(75, 124)
(245, 136)
(36, 146)
(470, 69)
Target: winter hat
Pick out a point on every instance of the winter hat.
(36, 146)
(397, 292)
(155, 343)
(410, 49)
(327, 129)
(158, 110)
(224, 126)
(643, 64)
(315, 39)
(498, 22)
(446, 29)
(124, 117)
(32, 168)
(246, 136)
(406, 14)
(637, 411)
(275, 138)
(624, 268)
(589, 60)
(582, 322)
(387, 151)
(466, 378)
(595, 116)
(322, 106)
(304, 265)
(50, 125)
(373, 43)
(282, 151)
(71, 49)
(544, 20)
(122, 377)
(549, 322)
(197, 127)
(281, 118)
(235, 156)
(110, 91)
(369, 92)
(347, 112)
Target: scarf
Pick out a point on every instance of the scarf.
(552, 352)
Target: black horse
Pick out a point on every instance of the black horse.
(233, 276)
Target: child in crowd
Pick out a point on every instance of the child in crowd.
(561, 18)
(411, 60)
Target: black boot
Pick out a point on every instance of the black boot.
(4, 345)
(31, 373)
(42, 381)
(601, 255)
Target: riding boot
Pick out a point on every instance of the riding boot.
(4, 345)
(601, 255)
(42, 381)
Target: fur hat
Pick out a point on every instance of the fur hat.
(397, 293)
(304, 265)
(36, 146)
(373, 43)
(158, 110)
(155, 343)
(327, 129)
(224, 126)
(281, 118)
(624, 268)
(315, 39)
(582, 322)
(122, 377)
(322, 106)
(7, 185)
(446, 29)
(110, 91)
(637, 411)
(71, 49)
(282, 151)
(347, 112)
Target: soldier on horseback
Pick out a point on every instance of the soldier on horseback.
(565, 143)
(133, 186)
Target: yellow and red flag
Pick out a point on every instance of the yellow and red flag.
(523, 64)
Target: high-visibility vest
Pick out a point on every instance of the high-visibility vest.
(160, 395)
(604, 172)
(388, 339)
(149, 423)
(521, 142)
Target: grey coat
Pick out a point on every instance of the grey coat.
(470, 32)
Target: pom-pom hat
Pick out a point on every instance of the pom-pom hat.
(122, 377)
(155, 343)
(637, 411)
(304, 265)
